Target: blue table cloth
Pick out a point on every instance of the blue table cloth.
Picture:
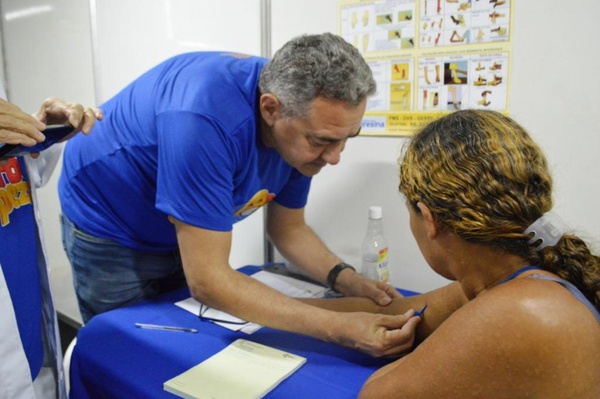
(114, 359)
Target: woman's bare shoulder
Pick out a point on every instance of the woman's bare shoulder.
(504, 343)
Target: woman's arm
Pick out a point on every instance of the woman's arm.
(441, 303)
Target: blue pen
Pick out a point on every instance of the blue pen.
(165, 328)
(420, 312)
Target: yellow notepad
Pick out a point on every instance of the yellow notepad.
(243, 370)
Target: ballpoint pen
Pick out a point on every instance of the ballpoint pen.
(165, 328)
(420, 312)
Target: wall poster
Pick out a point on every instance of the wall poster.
(430, 57)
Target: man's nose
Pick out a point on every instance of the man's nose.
(333, 153)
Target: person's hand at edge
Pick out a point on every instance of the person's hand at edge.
(57, 111)
(18, 127)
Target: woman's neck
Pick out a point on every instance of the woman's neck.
(481, 268)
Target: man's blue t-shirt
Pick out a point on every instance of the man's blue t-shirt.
(181, 140)
(19, 259)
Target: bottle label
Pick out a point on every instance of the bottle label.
(382, 265)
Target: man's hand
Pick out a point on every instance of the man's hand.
(351, 283)
(18, 127)
(376, 334)
(56, 111)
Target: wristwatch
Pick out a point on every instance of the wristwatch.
(333, 274)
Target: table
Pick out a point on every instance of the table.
(114, 359)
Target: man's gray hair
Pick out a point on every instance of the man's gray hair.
(311, 66)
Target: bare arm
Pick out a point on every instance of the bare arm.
(298, 243)
(519, 340)
(441, 303)
(205, 255)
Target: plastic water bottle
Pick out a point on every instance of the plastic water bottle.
(375, 248)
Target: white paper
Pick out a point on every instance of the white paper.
(288, 286)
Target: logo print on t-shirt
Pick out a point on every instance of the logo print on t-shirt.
(259, 199)
(14, 190)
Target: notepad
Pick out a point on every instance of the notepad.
(243, 370)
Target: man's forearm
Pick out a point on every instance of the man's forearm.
(244, 297)
(304, 248)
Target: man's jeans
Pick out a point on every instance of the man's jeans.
(107, 275)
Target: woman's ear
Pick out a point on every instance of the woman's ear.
(431, 227)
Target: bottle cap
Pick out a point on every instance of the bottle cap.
(375, 212)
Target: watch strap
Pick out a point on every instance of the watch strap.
(334, 273)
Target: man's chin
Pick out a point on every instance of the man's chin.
(309, 170)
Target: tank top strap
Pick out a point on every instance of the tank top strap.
(573, 290)
(519, 272)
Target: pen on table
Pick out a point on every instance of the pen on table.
(420, 312)
(165, 328)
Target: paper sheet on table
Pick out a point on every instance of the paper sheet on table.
(286, 285)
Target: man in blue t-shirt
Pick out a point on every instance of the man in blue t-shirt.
(31, 365)
(198, 143)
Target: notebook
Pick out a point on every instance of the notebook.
(243, 370)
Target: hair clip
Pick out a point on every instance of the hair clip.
(548, 229)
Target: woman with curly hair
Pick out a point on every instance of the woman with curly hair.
(522, 318)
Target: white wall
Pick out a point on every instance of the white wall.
(554, 84)
(555, 88)
(132, 36)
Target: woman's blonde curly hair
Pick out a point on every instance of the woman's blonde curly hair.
(484, 178)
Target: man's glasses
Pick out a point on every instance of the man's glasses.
(204, 308)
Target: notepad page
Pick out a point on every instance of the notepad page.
(290, 286)
(243, 370)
